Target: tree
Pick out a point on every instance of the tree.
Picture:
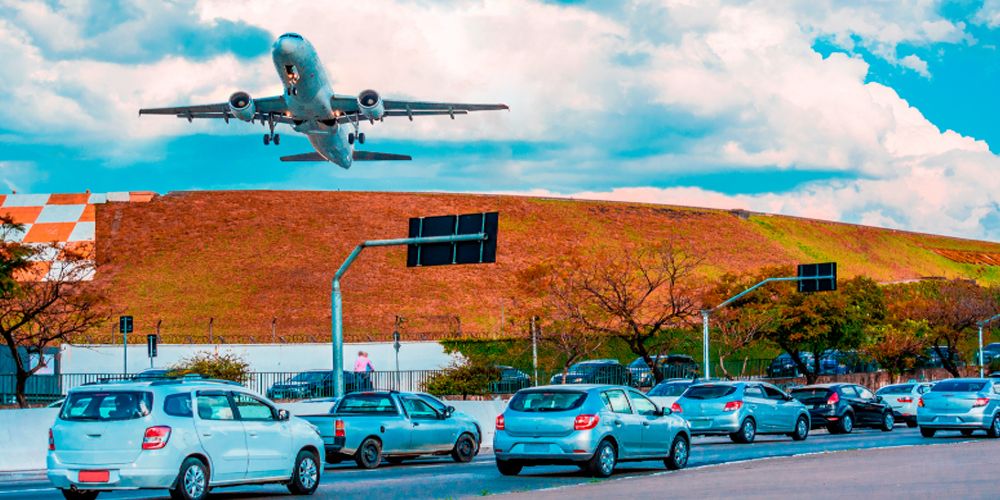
(645, 297)
(467, 378)
(896, 346)
(227, 366)
(951, 310)
(37, 314)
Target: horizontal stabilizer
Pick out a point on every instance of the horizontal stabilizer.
(371, 156)
(314, 156)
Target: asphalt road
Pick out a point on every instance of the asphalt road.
(442, 478)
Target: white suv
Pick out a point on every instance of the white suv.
(185, 435)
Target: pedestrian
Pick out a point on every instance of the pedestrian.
(363, 364)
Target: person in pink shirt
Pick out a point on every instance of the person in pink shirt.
(363, 364)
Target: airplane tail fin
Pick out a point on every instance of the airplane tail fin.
(372, 156)
(358, 156)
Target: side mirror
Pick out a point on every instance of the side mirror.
(283, 415)
(449, 411)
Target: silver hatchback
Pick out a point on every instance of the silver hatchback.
(965, 405)
(591, 426)
(742, 410)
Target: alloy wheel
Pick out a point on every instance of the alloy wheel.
(607, 459)
(307, 472)
(801, 429)
(194, 481)
(681, 453)
(749, 431)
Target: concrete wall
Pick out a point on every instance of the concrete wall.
(24, 434)
(262, 357)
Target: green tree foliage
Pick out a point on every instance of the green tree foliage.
(464, 379)
(227, 366)
(896, 346)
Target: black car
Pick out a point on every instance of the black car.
(842, 407)
(598, 371)
(318, 383)
(669, 366)
(511, 381)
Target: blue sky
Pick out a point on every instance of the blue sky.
(871, 112)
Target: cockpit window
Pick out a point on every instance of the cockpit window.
(291, 35)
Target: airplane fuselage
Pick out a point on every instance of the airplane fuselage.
(308, 95)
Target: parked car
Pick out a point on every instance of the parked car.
(186, 435)
(397, 426)
(931, 358)
(598, 371)
(991, 352)
(842, 407)
(511, 381)
(591, 426)
(741, 410)
(455, 414)
(961, 404)
(903, 400)
(784, 367)
(666, 393)
(670, 365)
(151, 373)
(317, 384)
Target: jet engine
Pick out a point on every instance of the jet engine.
(370, 104)
(241, 106)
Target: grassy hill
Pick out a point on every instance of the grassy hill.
(241, 258)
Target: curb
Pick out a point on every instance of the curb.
(23, 475)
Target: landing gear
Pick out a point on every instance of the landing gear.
(267, 139)
(271, 137)
(361, 138)
(277, 139)
(350, 138)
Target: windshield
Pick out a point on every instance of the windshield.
(669, 390)
(308, 377)
(583, 368)
(638, 363)
(896, 389)
(107, 406)
(539, 401)
(958, 386)
(709, 391)
(813, 394)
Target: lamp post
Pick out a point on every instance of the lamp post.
(980, 324)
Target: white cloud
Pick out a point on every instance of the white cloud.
(989, 13)
(915, 63)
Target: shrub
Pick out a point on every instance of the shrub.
(466, 379)
(228, 366)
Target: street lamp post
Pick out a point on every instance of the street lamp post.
(980, 324)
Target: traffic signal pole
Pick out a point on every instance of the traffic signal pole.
(337, 313)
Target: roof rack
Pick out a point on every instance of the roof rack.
(164, 380)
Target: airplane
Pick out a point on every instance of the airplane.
(331, 122)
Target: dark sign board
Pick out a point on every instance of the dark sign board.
(465, 252)
(125, 324)
(818, 277)
(151, 345)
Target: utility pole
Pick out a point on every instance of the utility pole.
(534, 347)
(396, 345)
(980, 324)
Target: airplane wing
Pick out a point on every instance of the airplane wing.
(357, 155)
(349, 105)
(269, 106)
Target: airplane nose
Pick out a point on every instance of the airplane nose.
(286, 46)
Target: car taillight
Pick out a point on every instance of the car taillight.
(338, 429)
(585, 422)
(920, 402)
(156, 437)
(500, 422)
(52, 441)
(905, 400)
(981, 402)
(733, 406)
(833, 399)
(676, 408)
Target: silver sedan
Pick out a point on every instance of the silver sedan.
(961, 404)
(742, 410)
(591, 426)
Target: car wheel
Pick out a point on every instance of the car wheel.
(846, 424)
(679, 453)
(801, 429)
(888, 422)
(911, 424)
(192, 482)
(465, 449)
(994, 431)
(602, 464)
(747, 432)
(79, 495)
(369, 454)
(509, 467)
(927, 433)
(305, 475)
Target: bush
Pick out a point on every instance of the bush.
(228, 366)
(469, 379)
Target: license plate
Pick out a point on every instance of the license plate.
(701, 423)
(536, 448)
(94, 476)
(947, 420)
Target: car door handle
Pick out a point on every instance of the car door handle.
(253, 433)
(645, 424)
(209, 434)
(416, 424)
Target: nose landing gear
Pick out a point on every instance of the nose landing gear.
(271, 137)
(351, 138)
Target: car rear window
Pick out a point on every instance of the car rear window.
(668, 390)
(545, 401)
(367, 403)
(813, 394)
(958, 386)
(107, 406)
(896, 389)
(709, 391)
